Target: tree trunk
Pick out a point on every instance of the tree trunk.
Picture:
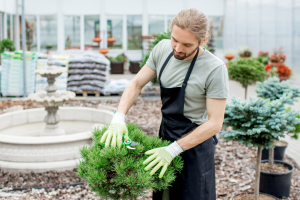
(257, 174)
(246, 87)
(271, 158)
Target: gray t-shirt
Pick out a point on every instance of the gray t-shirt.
(209, 79)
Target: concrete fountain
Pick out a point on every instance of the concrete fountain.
(28, 144)
(52, 99)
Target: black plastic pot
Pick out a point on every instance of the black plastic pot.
(278, 152)
(276, 184)
(134, 67)
(117, 67)
(253, 193)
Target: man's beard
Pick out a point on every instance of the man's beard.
(185, 55)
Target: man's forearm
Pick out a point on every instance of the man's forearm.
(199, 135)
(130, 94)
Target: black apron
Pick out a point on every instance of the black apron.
(197, 179)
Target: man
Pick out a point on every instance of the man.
(194, 88)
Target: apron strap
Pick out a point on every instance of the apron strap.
(190, 69)
(164, 66)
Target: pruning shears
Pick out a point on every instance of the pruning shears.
(127, 142)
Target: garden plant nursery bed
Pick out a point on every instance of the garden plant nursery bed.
(234, 162)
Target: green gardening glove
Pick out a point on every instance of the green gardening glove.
(114, 135)
(162, 157)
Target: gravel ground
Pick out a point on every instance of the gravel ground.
(234, 162)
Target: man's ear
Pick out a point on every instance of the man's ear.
(203, 41)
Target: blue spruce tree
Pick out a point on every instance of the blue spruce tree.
(258, 123)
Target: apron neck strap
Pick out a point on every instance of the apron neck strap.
(188, 73)
(190, 69)
(164, 66)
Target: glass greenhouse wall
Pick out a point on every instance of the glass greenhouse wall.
(264, 25)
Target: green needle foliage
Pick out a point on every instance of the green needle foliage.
(294, 134)
(273, 89)
(246, 71)
(119, 173)
(259, 122)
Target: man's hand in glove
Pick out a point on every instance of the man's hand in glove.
(115, 131)
(162, 157)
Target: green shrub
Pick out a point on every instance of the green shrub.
(6, 44)
(263, 59)
(273, 89)
(258, 122)
(120, 58)
(295, 133)
(119, 173)
(246, 71)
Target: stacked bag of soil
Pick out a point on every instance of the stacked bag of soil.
(88, 72)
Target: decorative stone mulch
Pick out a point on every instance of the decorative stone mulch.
(234, 162)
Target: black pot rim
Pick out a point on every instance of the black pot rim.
(253, 193)
(277, 174)
(282, 146)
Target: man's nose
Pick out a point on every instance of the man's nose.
(179, 48)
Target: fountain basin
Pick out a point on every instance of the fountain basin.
(23, 149)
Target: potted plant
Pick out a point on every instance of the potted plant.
(117, 64)
(279, 70)
(134, 67)
(111, 40)
(103, 51)
(277, 58)
(6, 45)
(245, 52)
(246, 72)
(118, 173)
(263, 57)
(273, 89)
(259, 122)
(97, 40)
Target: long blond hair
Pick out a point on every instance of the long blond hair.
(194, 21)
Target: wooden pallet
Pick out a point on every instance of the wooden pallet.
(86, 93)
(98, 94)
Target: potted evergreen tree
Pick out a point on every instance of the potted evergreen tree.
(118, 173)
(259, 122)
(273, 89)
(246, 72)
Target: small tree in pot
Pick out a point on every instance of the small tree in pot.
(246, 71)
(273, 89)
(258, 123)
(119, 173)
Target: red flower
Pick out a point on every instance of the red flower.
(283, 70)
(268, 67)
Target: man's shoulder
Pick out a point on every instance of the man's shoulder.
(213, 62)
(164, 45)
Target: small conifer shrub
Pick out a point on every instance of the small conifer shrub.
(118, 173)
(246, 71)
(259, 122)
(273, 89)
